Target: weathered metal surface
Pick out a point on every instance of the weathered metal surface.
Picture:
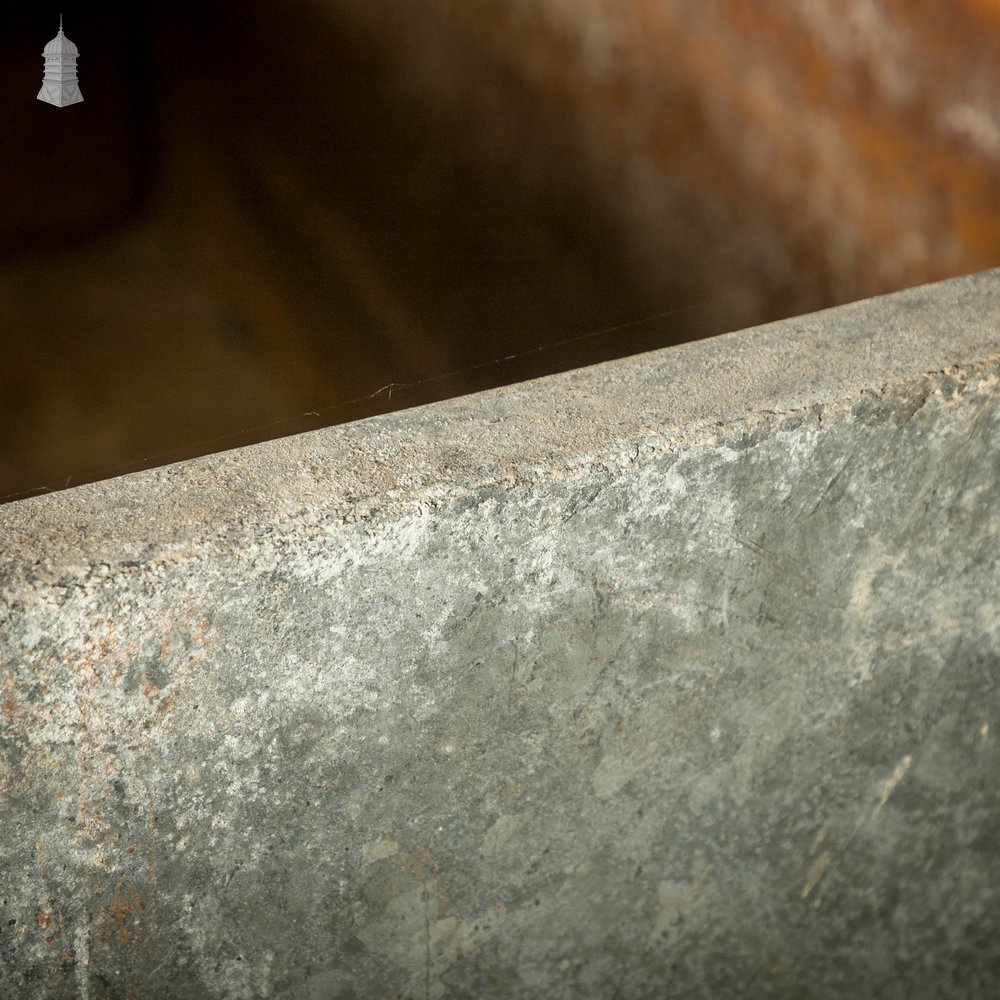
(673, 676)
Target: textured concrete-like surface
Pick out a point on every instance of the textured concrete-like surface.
(678, 676)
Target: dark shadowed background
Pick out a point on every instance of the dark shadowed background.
(264, 214)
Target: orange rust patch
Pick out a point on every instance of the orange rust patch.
(119, 923)
(123, 906)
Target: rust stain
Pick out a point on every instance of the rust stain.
(862, 144)
(118, 923)
(420, 862)
(49, 918)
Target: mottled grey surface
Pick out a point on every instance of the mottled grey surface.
(679, 676)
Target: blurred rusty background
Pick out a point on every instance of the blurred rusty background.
(264, 213)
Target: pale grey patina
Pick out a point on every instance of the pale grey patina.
(676, 676)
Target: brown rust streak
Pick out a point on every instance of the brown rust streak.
(840, 150)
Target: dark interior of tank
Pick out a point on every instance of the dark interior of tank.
(268, 218)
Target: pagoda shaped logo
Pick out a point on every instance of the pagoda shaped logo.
(59, 86)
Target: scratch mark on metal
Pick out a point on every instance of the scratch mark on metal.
(816, 872)
(830, 485)
(893, 780)
(513, 677)
(427, 945)
(751, 544)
